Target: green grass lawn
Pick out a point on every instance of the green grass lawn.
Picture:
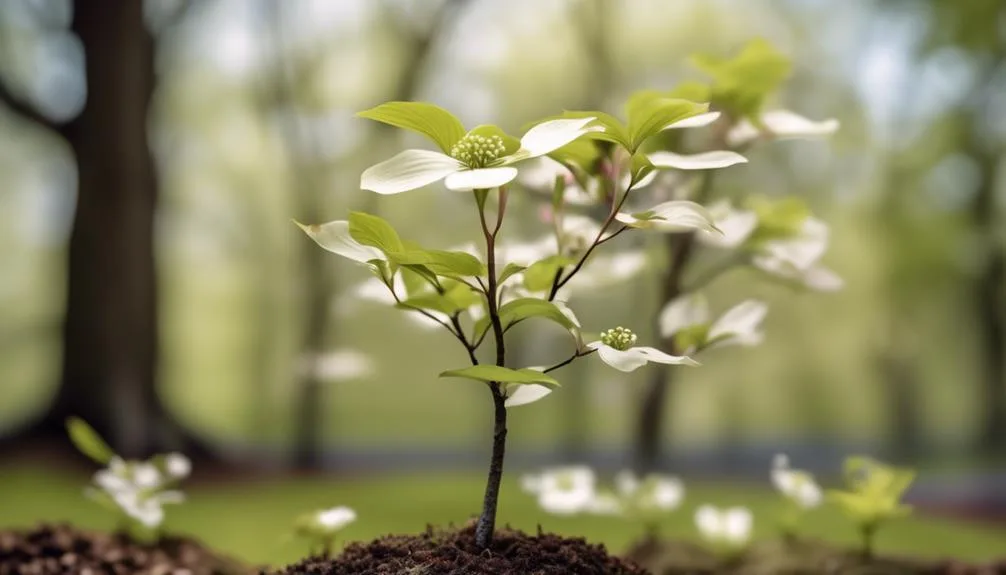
(249, 518)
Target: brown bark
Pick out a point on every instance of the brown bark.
(110, 336)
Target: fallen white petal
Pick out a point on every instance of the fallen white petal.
(408, 170)
(481, 179)
(704, 161)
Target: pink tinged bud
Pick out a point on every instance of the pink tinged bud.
(545, 214)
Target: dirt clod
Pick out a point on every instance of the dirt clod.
(453, 552)
(62, 549)
(796, 557)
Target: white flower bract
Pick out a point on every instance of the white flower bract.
(781, 124)
(735, 226)
(477, 161)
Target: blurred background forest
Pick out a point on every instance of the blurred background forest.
(153, 154)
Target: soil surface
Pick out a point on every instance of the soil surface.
(453, 552)
(59, 549)
(791, 558)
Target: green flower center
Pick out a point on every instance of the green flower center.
(477, 151)
(619, 338)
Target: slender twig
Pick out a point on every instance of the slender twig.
(569, 360)
(556, 286)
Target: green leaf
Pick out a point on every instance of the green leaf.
(742, 83)
(371, 230)
(649, 112)
(496, 373)
(432, 121)
(694, 91)
(777, 218)
(509, 270)
(440, 262)
(528, 307)
(582, 153)
(87, 441)
(541, 274)
(456, 297)
(510, 144)
(694, 336)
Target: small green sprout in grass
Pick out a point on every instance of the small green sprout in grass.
(135, 491)
(800, 492)
(873, 496)
(320, 527)
(726, 531)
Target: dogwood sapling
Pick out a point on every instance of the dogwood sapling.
(473, 294)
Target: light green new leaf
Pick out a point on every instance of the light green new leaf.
(649, 112)
(371, 230)
(742, 83)
(440, 262)
(582, 154)
(528, 307)
(509, 270)
(496, 373)
(87, 441)
(541, 274)
(455, 298)
(427, 119)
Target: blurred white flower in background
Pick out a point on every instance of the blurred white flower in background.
(739, 325)
(724, 527)
(334, 519)
(735, 226)
(796, 485)
(797, 258)
(781, 124)
(563, 490)
(338, 365)
(139, 488)
(652, 493)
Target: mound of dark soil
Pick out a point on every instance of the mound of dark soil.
(453, 552)
(667, 557)
(59, 549)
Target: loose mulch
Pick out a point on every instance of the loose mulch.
(799, 557)
(453, 552)
(63, 549)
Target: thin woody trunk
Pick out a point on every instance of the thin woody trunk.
(650, 417)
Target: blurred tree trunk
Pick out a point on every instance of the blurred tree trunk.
(110, 331)
(899, 376)
(990, 304)
(652, 406)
